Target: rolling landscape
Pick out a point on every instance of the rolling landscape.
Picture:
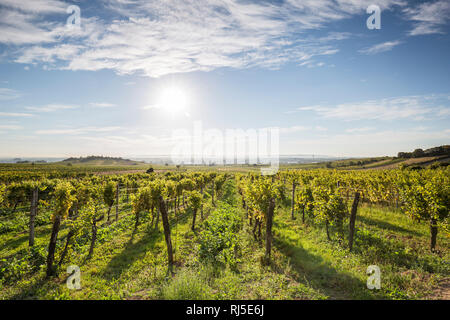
(214, 220)
(224, 153)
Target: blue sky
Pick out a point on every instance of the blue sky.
(311, 68)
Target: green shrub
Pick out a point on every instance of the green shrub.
(15, 268)
(219, 239)
(186, 286)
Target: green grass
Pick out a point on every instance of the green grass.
(305, 265)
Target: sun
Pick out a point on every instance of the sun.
(173, 99)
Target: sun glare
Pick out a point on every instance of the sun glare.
(173, 99)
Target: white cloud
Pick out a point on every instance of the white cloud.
(358, 130)
(381, 47)
(294, 129)
(23, 22)
(9, 127)
(76, 131)
(410, 107)
(319, 128)
(36, 6)
(377, 143)
(150, 107)
(155, 38)
(428, 17)
(102, 105)
(51, 108)
(8, 94)
(15, 114)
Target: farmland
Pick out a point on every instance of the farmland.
(205, 233)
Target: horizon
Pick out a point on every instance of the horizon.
(121, 78)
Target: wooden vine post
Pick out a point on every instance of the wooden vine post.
(64, 201)
(117, 202)
(269, 222)
(212, 194)
(68, 238)
(51, 270)
(33, 213)
(94, 229)
(201, 206)
(434, 232)
(293, 200)
(166, 226)
(352, 220)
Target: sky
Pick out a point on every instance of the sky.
(122, 76)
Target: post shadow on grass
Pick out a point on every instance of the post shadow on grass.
(383, 250)
(17, 242)
(30, 290)
(321, 276)
(387, 226)
(130, 253)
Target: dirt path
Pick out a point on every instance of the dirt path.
(442, 292)
(407, 162)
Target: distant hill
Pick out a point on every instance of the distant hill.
(419, 153)
(433, 157)
(102, 161)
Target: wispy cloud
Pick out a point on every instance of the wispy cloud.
(155, 38)
(428, 17)
(381, 47)
(365, 143)
(102, 104)
(76, 131)
(359, 130)
(15, 114)
(9, 127)
(51, 108)
(8, 94)
(151, 106)
(36, 6)
(409, 107)
(294, 129)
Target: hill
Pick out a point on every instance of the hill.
(101, 161)
(437, 156)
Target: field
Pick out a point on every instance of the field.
(223, 254)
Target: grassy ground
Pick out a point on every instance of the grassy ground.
(305, 265)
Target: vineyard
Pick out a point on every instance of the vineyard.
(173, 234)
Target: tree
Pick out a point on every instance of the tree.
(426, 196)
(404, 155)
(109, 196)
(2, 193)
(94, 217)
(195, 202)
(261, 193)
(304, 201)
(16, 193)
(269, 236)
(141, 202)
(81, 221)
(352, 221)
(166, 226)
(63, 201)
(219, 181)
(418, 153)
(329, 207)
